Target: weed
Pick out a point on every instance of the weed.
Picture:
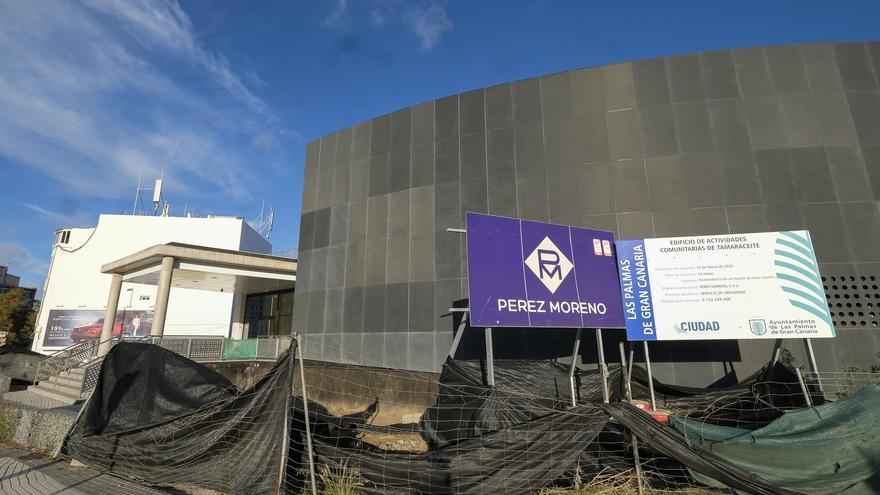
(7, 423)
(341, 480)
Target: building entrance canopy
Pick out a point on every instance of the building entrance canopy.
(194, 267)
(204, 268)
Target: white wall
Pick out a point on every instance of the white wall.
(75, 280)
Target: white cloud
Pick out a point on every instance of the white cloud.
(21, 262)
(93, 93)
(377, 17)
(428, 22)
(61, 219)
(338, 17)
(165, 25)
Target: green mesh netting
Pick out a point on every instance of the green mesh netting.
(833, 448)
(240, 349)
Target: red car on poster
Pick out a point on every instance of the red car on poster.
(93, 330)
(127, 324)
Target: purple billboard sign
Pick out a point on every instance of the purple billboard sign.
(532, 274)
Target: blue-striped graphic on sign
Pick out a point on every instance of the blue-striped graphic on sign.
(798, 273)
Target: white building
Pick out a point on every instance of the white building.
(75, 292)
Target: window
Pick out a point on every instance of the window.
(62, 237)
(270, 314)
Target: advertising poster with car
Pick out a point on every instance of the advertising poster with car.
(72, 326)
(741, 286)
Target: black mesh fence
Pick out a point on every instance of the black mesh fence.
(164, 420)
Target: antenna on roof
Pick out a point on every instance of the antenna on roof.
(265, 221)
(271, 222)
(157, 193)
(137, 195)
(158, 199)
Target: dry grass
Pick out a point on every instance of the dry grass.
(625, 483)
(345, 480)
(341, 480)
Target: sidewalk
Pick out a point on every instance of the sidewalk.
(27, 473)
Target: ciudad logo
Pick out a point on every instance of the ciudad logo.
(697, 326)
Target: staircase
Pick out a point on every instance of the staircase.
(69, 374)
(66, 386)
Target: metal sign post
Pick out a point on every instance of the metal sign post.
(626, 391)
(490, 359)
(574, 356)
(650, 376)
(629, 365)
(461, 326)
(811, 357)
(627, 377)
(603, 368)
(777, 349)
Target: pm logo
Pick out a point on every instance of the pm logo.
(549, 264)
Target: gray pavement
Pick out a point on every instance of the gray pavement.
(27, 473)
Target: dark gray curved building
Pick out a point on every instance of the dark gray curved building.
(744, 140)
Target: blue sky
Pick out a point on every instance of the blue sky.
(223, 95)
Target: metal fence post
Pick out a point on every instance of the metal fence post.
(288, 421)
(302, 377)
(638, 462)
(574, 355)
(804, 387)
(626, 373)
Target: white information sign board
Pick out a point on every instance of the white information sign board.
(740, 286)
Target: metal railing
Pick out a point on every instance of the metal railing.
(271, 348)
(195, 348)
(199, 349)
(206, 349)
(836, 385)
(66, 359)
(90, 378)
